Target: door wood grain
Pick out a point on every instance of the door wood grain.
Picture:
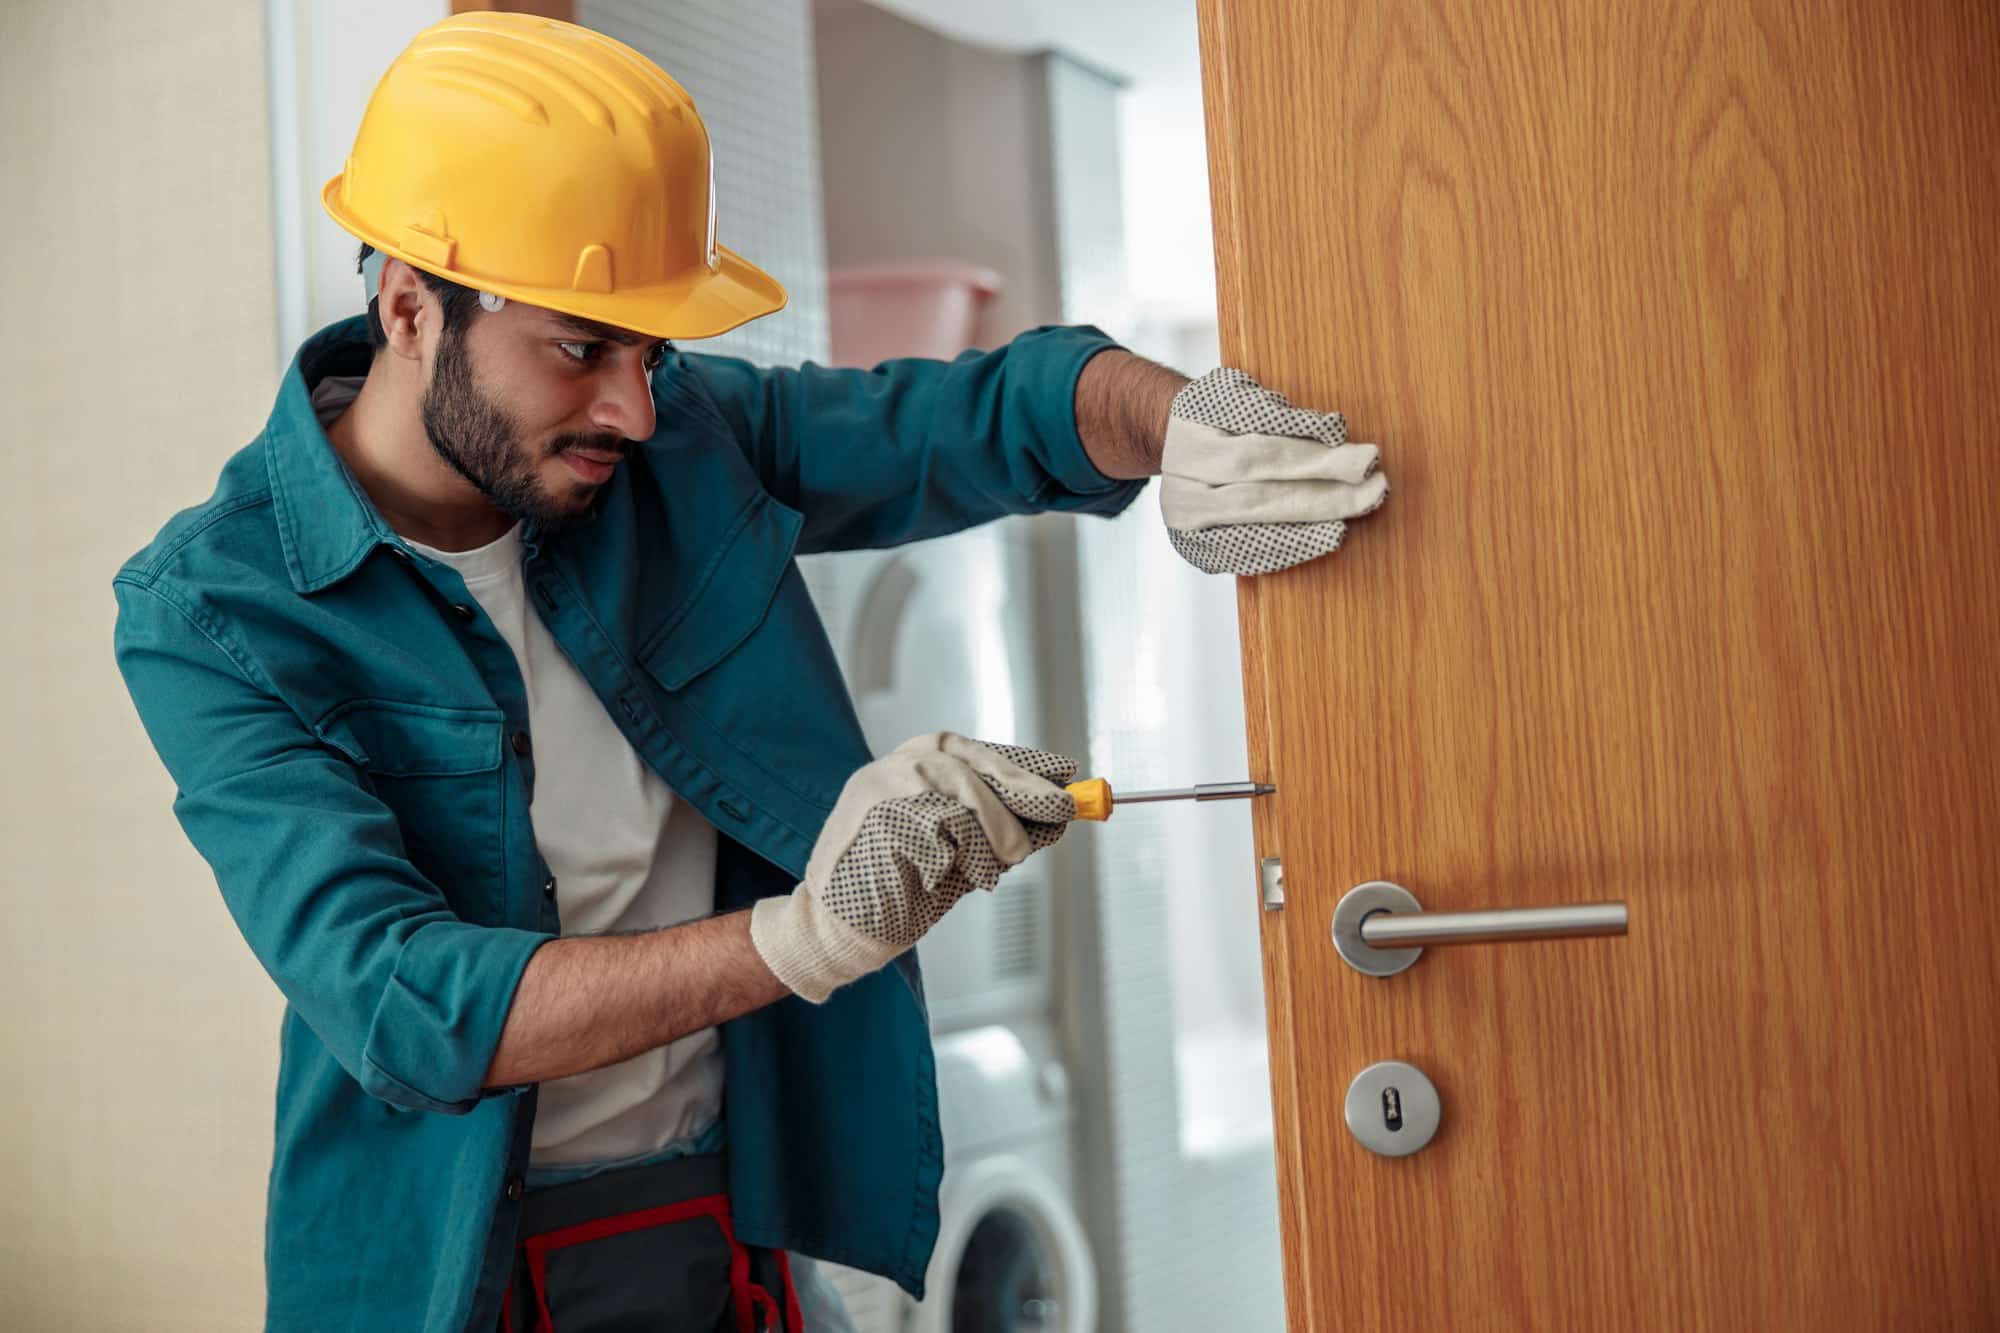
(1679, 325)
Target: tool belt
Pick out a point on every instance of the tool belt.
(644, 1247)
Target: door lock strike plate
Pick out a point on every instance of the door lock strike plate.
(1273, 877)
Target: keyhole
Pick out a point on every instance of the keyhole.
(1392, 1109)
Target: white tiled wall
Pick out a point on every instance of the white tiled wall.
(749, 66)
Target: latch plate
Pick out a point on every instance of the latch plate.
(1272, 873)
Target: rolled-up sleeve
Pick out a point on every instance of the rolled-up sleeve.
(914, 448)
(409, 997)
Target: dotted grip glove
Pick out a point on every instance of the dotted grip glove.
(1252, 484)
(912, 833)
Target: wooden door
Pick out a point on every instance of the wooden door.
(1679, 325)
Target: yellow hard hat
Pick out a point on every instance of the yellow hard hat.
(544, 162)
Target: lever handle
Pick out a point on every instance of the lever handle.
(1380, 928)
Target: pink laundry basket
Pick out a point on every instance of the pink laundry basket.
(879, 311)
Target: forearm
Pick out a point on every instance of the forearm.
(592, 1000)
(1122, 403)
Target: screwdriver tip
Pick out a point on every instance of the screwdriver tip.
(1265, 789)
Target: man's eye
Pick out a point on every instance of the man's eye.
(582, 351)
(656, 356)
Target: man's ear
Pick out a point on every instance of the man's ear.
(402, 308)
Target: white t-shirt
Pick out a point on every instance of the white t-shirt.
(627, 854)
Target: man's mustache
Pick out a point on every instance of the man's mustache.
(596, 444)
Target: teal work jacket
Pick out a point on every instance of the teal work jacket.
(350, 742)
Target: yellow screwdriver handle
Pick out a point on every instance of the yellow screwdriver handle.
(1093, 798)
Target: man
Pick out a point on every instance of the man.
(498, 707)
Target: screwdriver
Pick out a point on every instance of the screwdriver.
(1094, 799)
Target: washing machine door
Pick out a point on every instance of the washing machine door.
(942, 638)
(1010, 1258)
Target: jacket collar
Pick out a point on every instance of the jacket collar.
(326, 522)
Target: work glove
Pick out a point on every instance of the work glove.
(911, 834)
(1252, 484)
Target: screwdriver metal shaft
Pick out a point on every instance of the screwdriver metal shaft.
(1210, 791)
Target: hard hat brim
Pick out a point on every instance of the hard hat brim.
(701, 305)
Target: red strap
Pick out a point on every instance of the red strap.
(767, 1307)
(792, 1319)
(739, 1281)
(712, 1205)
(795, 1319)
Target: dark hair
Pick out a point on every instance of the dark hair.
(457, 302)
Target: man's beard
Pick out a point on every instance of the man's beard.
(482, 442)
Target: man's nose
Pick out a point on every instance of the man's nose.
(625, 400)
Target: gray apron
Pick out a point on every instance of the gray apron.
(644, 1248)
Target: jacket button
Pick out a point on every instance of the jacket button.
(519, 741)
(549, 887)
(464, 612)
(514, 1189)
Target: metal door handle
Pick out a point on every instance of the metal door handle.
(1380, 928)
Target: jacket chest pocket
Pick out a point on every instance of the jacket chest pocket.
(729, 599)
(746, 671)
(441, 772)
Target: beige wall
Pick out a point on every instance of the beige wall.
(136, 334)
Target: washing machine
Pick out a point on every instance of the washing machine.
(942, 635)
(1011, 1255)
